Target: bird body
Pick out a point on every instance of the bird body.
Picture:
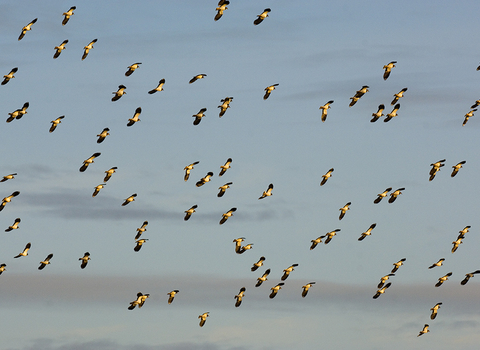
(343, 210)
(140, 243)
(378, 114)
(198, 117)
(171, 295)
(258, 264)
(222, 6)
(468, 115)
(397, 265)
(316, 241)
(89, 161)
(109, 173)
(398, 96)
(388, 68)
(9, 75)
(25, 250)
(238, 243)
(393, 113)
(129, 199)
(325, 109)
(14, 226)
(19, 113)
(287, 271)
(2, 268)
(67, 15)
(261, 16)
(263, 278)
(132, 68)
(135, 118)
(141, 298)
(141, 230)
(8, 199)
(158, 88)
(196, 77)
(438, 263)
(189, 212)
(468, 276)
(203, 318)
(204, 180)
(226, 215)
(456, 244)
(240, 296)
(325, 177)
(223, 189)
(384, 279)
(306, 288)
(267, 192)
(88, 48)
(382, 290)
(27, 28)
(268, 90)
(367, 232)
(457, 167)
(224, 106)
(395, 194)
(59, 49)
(225, 167)
(55, 123)
(97, 189)
(382, 195)
(424, 330)
(8, 177)
(275, 290)
(442, 279)
(435, 310)
(103, 135)
(187, 169)
(84, 260)
(45, 262)
(330, 235)
(119, 93)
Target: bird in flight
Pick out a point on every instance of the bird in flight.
(222, 6)
(204, 180)
(393, 113)
(27, 28)
(306, 288)
(398, 96)
(395, 194)
(196, 77)
(84, 260)
(89, 161)
(225, 167)
(258, 264)
(287, 271)
(109, 173)
(88, 48)
(378, 114)
(224, 106)
(424, 330)
(267, 192)
(14, 226)
(367, 233)
(189, 212)
(330, 235)
(19, 113)
(358, 95)
(2, 268)
(436, 168)
(132, 68)
(275, 290)
(139, 301)
(129, 199)
(45, 262)
(119, 93)
(103, 135)
(140, 243)
(203, 318)
(158, 88)
(438, 263)
(382, 290)
(223, 189)
(261, 16)
(58, 49)
(325, 177)
(388, 68)
(268, 90)
(8, 199)
(68, 14)
(135, 117)
(25, 250)
(468, 276)
(316, 241)
(442, 279)
(384, 279)
(226, 215)
(325, 109)
(435, 310)
(198, 117)
(468, 115)
(141, 230)
(55, 123)
(397, 265)
(343, 210)
(263, 278)
(457, 167)
(9, 75)
(171, 295)
(8, 177)
(97, 189)
(240, 296)
(187, 169)
(382, 195)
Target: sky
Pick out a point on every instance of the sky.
(316, 52)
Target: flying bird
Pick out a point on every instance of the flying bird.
(240, 296)
(103, 135)
(8, 177)
(198, 117)
(45, 262)
(139, 244)
(325, 177)
(287, 271)
(382, 195)
(438, 263)
(84, 260)
(398, 96)
(384, 279)
(189, 212)
(330, 235)
(343, 210)
(238, 243)
(268, 90)
(463, 232)
(382, 290)
(261, 16)
(367, 233)
(89, 161)
(8, 199)
(353, 101)
(225, 167)
(171, 295)
(395, 194)
(258, 264)
(435, 310)
(457, 167)
(139, 301)
(397, 265)
(468, 276)
(223, 189)
(2, 268)
(393, 113)
(222, 6)
(203, 318)
(141, 230)
(97, 189)
(388, 68)
(424, 330)
(196, 77)
(456, 244)
(268, 192)
(119, 93)
(224, 106)
(204, 180)
(88, 48)
(9, 75)
(25, 250)
(436, 168)
(226, 215)
(244, 248)
(129, 199)
(14, 226)
(132, 68)
(68, 14)
(158, 88)
(476, 104)
(306, 288)
(55, 123)
(263, 278)
(135, 117)
(378, 114)
(316, 241)
(275, 290)
(58, 49)
(27, 28)
(468, 115)
(109, 173)
(324, 109)
(358, 95)
(19, 113)
(443, 279)
(187, 169)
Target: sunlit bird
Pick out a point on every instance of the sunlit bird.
(140, 243)
(382, 195)
(19, 113)
(435, 310)
(358, 95)
(45, 262)
(189, 212)
(84, 259)
(436, 168)
(238, 243)
(330, 235)
(222, 6)
(226, 215)
(325, 177)
(367, 232)
(267, 192)
(442, 279)
(468, 276)
(275, 290)
(198, 117)
(171, 295)
(287, 272)
(316, 241)
(97, 189)
(384, 279)
(378, 114)
(225, 167)
(27, 28)
(382, 290)
(135, 118)
(244, 248)
(196, 77)
(55, 123)
(457, 167)
(158, 88)
(240, 296)
(263, 278)
(187, 169)
(325, 109)
(343, 210)
(8, 199)
(2, 268)
(25, 250)
(103, 135)
(87, 48)
(223, 189)
(14, 226)
(476, 104)
(306, 288)
(119, 93)
(109, 173)
(89, 161)
(388, 68)
(129, 199)
(203, 318)
(395, 194)
(424, 330)
(6, 78)
(141, 229)
(258, 264)
(456, 244)
(397, 265)
(268, 90)
(468, 115)
(132, 68)
(261, 16)
(354, 100)
(204, 180)
(141, 298)
(68, 14)
(463, 232)
(438, 263)
(8, 177)
(224, 106)
(393, 113)
(398, 96)
(58, 49)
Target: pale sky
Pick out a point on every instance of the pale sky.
(316, 51)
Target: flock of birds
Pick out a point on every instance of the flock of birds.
(239, 247)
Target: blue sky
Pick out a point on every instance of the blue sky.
(316, 52)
